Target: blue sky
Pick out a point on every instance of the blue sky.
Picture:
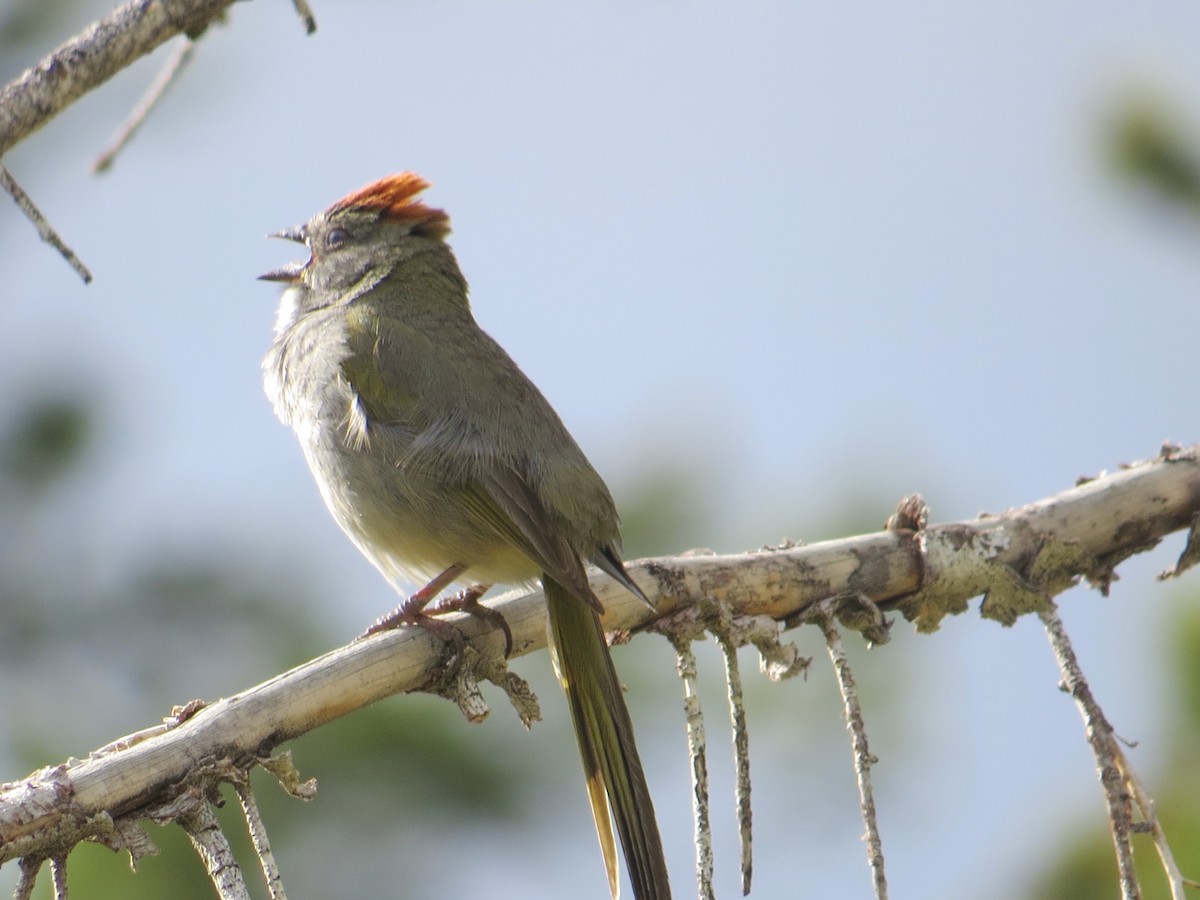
(814, 252)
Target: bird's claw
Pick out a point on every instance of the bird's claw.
(412, 612)
(467, 601)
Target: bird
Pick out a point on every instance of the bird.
(443, 462)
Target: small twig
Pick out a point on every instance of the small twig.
(306, 15)
(258, 837)
(214, 850)
(1104, 748)
(461, 686)
(741, 748)
(58, 876)
(126, 835)
(1149, 814)
(685, 665)
(179, 59)
(45, 230)
(281, 766)
(29, 871)
(93, 56)
(456, 680)
(1190, 555)
(863, 760)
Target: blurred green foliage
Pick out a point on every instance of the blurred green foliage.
(1148, 145)
(45, 440)
(664, 510)
(117, 656)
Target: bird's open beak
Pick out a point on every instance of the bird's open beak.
(298, 233)
(290, 273)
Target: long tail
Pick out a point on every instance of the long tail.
(616, 784)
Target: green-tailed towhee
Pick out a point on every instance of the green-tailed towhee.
(441, 461)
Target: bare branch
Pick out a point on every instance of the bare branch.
(214, 850)
(58, 875)
(778, 661)
(863, 759)
(1190, 555)
(1148, 812)
(1123, 789)
(723, 630)
(306, 15)
(45, 230)
(685, 665)
(281, 766)
(1104, 747)
(92, 57)
(88, 60)
(158, 88)
(29, 873)
(1042, 548)
(258, 837)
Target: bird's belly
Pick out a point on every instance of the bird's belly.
(410, 527)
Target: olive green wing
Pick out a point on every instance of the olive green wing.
(510, 507)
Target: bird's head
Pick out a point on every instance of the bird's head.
(360, 239)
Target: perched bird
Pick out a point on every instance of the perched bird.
(443, 462)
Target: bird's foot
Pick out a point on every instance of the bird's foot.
(468, 601)
(412, 612)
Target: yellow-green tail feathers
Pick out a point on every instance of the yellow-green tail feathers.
(615, 782)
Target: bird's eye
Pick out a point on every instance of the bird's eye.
(336, 237)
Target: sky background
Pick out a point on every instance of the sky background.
(806, 258)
